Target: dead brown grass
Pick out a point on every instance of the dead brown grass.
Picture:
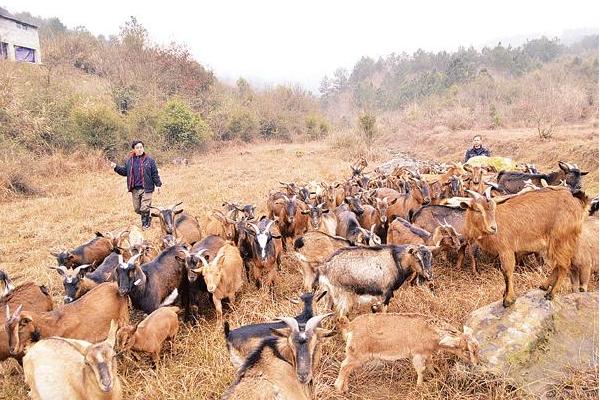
(198, 366)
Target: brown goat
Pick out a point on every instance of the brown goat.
(149, 335)
(31, 296)
(546, 221)
(585, 258)
(87, 318)
(184, 227)
(92, 252)
(221, 225)
(287, 212)
(393, 337)
(406, 203)
(443, 238)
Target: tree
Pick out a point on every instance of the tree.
(340, 79)
(180, 126)
(368, 129)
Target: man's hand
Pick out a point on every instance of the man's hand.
(113, 165)
(158, 190)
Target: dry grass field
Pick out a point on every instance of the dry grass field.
(73, 207)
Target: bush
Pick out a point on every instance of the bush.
(366, 124)
(242, 125)
(274, 128)
(181, 127)
(316, 127)
(99, 127)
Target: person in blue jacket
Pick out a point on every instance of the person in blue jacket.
(142, 178)
(477, 149)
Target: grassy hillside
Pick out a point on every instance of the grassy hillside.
(75, 206)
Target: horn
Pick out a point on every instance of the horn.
(175, 205)
(488, 193)
(446, 223)
(60, 268)
(17, 312)
(254, 227)
(199, 252)
(133, 259)
(314, 322)
(78, 269)
(473, 194)
(292, 323)
(268, 227)
(7, 313)
(373, 228)
(156, 208)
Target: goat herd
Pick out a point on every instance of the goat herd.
(356, 241)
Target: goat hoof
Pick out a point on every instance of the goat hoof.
(549, 296)
(544, 287)
(507, 302)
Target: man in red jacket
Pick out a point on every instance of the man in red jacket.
(142, 177)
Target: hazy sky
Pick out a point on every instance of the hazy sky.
(301, 41)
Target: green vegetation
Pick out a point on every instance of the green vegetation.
(98, 92)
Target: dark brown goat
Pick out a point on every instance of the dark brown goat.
(287, 211)
(92, 252)
(185, 227)
(514, 182)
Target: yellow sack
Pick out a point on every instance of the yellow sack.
(498, 163)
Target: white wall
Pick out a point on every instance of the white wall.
(11, 33)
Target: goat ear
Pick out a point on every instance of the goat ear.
(450, 341)
(112, 333)
(392, 202)
(467, 330)
(70, 256)
(276, 236)
(563, 166)
(582, 173)
(154, 214)
(178, 212)
(282, 332)
(55, 253)
(305, 212)
(323, 333)
(465, 204)
(325, 210)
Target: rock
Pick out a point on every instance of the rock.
(535, 340)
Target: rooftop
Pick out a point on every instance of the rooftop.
(27, 21)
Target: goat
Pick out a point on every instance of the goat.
(366, 274)
(221, 225)
(476, 182)
(523, 223)
(266, 252)
(282, 365)
(58, 368)
(417, 196)
(429, 217)
(153, 284)
(184, 227)
(207, 248)
(320, 219)
(348, 227)
(287, 211)
(223, 275)
(443, 238)
(377, 216)
(241, 341)
(393, 337)
(149, 335)
(312, 249)
(87, 318)
(92, 252)
(513, 182)
(585, 259)
(32, 298)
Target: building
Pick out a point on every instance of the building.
(19, 39)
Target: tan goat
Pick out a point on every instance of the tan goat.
(223, 276)
(149, 335)
(393, 337)
(69, 369)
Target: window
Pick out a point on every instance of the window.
(24, 54)
(3, 51)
